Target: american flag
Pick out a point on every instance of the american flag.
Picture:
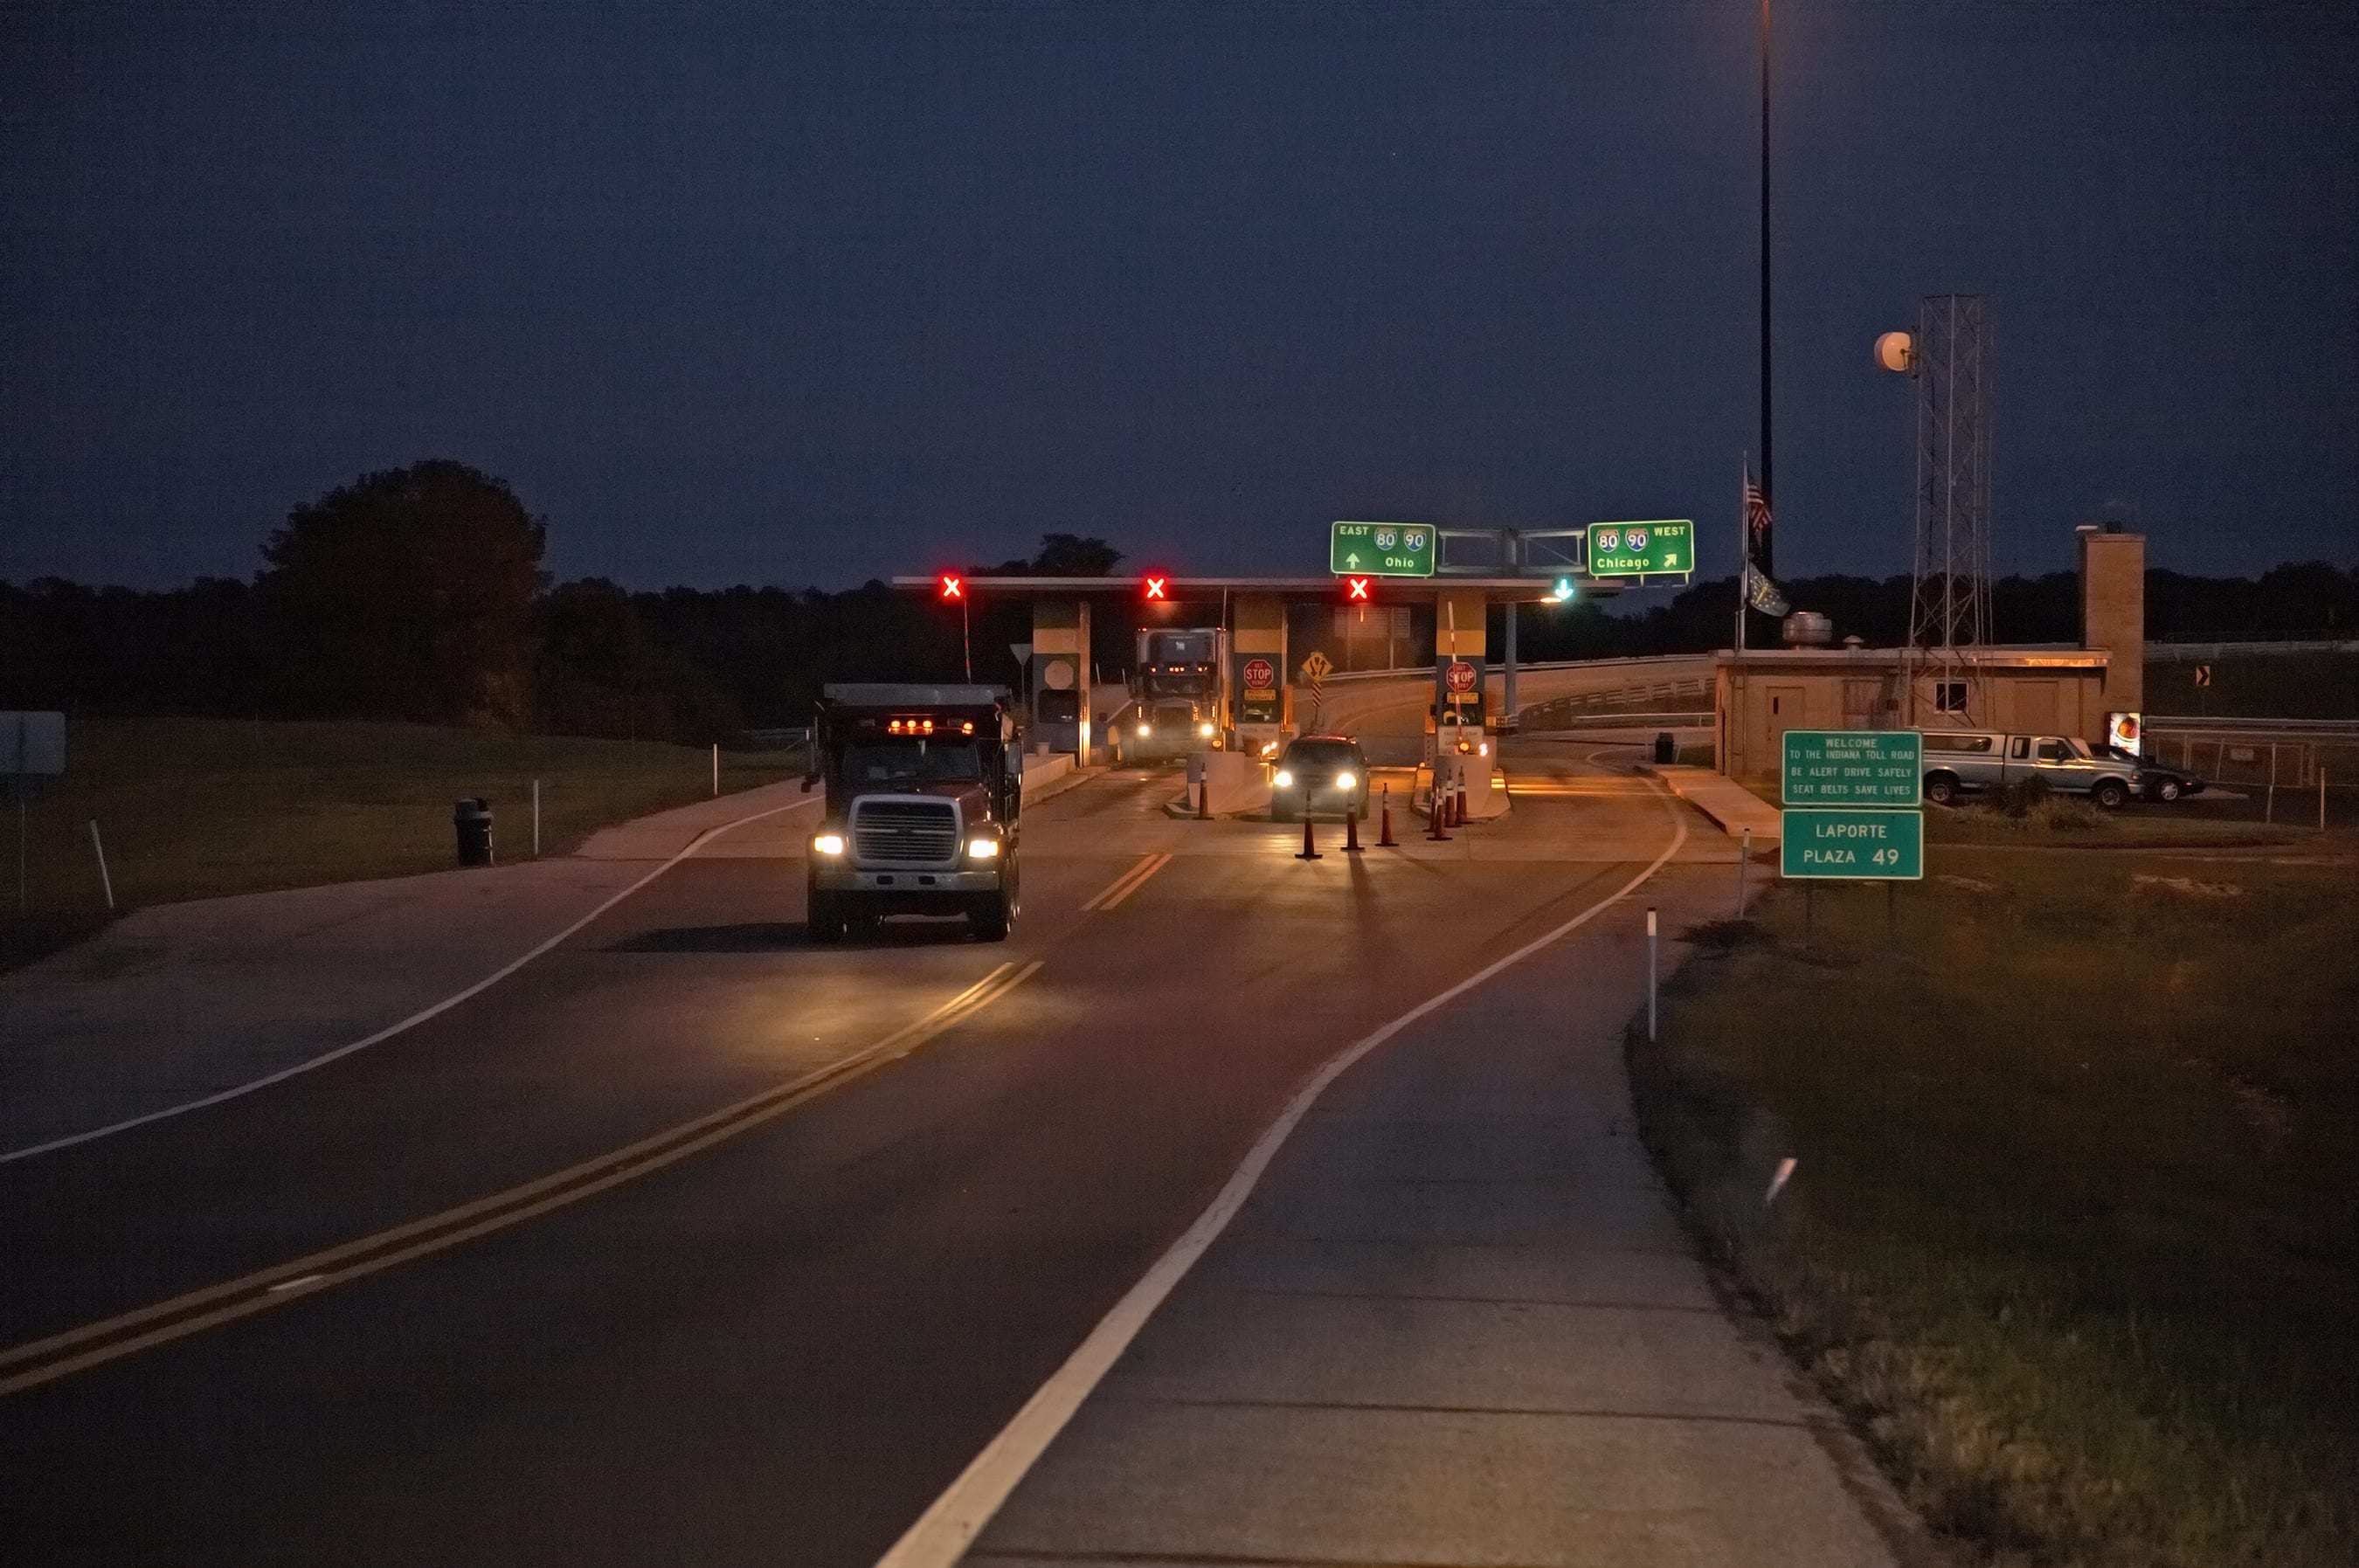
(1759, 591)
(1756, 515)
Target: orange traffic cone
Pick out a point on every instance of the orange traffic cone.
(1310, 846)
(1438, 815)
(1461, 813)
(1350, 828)
(1385, 837)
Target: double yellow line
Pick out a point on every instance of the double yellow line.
(40, 1361)
(1129, 883)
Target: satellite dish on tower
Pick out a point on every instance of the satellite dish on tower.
(1896, 353)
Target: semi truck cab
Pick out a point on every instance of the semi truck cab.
(924, 788)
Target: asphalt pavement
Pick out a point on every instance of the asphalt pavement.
(691, 1242)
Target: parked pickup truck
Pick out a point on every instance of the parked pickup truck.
(1967, 762)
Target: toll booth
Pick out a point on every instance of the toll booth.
(1059, 687)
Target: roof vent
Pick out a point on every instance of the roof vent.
(1807, 629)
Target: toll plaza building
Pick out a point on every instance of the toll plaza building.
(2067, 691)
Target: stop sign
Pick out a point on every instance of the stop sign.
(1461, 676)
(1259, 675)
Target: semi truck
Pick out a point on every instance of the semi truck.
(1183, 667)
(925, 785)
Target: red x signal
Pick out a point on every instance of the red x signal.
(1154, 589)
(1356, 589)
(954, 587)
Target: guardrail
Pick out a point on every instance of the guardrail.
(2174, 652)
(2205, 724)
(1702, 719)
(1426, 672)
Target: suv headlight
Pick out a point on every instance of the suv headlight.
(1205, 730)
(981, 848)
(1344, 779)
(1284, 779)
(1145, 728)
(826, 843)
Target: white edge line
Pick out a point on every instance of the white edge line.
(415, 1018)
(944, 1531)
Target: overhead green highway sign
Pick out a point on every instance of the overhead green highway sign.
(1854, 767)
(1381, 550)
(1852, 841)
(1664, 548)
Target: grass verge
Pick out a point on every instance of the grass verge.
(196, 808)
(2075, 822)
(2073, 1230)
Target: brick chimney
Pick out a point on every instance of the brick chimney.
(2112, 609)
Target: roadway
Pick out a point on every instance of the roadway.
(491, 1291)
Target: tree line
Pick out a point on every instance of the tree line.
(2297, 602)
(417, 594)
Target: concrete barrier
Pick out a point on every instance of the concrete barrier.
(1485, 796)
(1046, 776)
(1236, 784)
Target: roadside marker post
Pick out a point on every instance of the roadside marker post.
(1744, 859)
(536, 819)
(716, 770)
(2322, 800)
(1650, 972)
(105, 883)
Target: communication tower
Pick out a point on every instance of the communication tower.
(1950, 601)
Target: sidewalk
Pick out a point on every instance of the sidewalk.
(1458, 1322)
(1726, 801)
(182, 1000)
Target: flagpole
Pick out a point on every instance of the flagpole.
(1744, 548)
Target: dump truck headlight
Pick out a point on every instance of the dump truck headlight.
(826, 843)
(983, 848)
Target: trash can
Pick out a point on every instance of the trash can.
(473, 819)
(1666, 750)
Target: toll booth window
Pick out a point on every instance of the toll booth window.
(913, 759)
(1950, 696)
(1061, 707)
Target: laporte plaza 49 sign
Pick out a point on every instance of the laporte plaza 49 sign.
(1852, 802)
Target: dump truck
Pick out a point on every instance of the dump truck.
(924, 787)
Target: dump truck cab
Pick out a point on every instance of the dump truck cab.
(924, 787)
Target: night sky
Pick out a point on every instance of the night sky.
(796, 294)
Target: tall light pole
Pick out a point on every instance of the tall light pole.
(1768, 542)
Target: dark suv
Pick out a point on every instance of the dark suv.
(1319, 774)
